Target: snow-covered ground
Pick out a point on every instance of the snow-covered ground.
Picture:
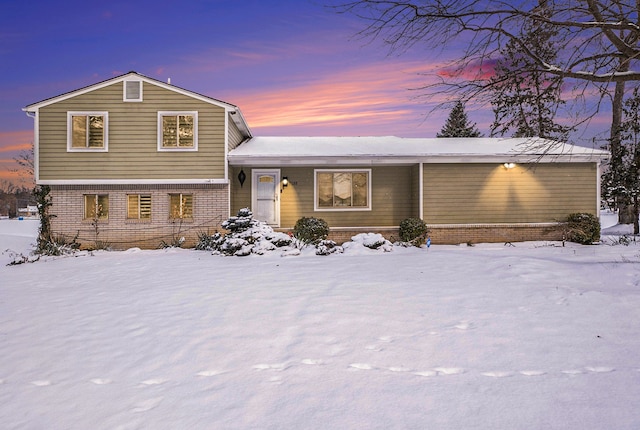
(535, 336)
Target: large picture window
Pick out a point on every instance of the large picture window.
(138, 206)
(87, 131)
(96, 206)
(177, 131)
(343, 189)
(180, 206)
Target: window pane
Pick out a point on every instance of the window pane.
(89, 206)
(79, 131)
(180, 206)
(145, 207)
(360, 189)
(132, 206)
(187, 206)
(103, 207)
(169, 131)
(185, 136)
(325, 190)
(96, 131)
(342, 189)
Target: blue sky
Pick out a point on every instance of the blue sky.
(294, 67)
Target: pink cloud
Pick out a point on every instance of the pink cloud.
(376, 94)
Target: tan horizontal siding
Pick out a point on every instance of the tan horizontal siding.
(235, 137)
(133, 138)
(490, 193)
(391, 198)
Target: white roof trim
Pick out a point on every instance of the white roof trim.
(364, 151)
(131, 181)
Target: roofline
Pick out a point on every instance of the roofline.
(372, 159)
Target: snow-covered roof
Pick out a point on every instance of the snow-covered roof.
(397, 150)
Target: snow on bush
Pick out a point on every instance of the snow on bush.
(373, 241)
(246, 236)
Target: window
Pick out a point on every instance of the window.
(87, 131)
(343, 190)
(96, 206)
(177, 131)
(180, 206)
(138, 206)
(132, 91)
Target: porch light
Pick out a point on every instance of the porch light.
(509, 165)
(285, 181)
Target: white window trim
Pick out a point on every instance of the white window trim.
(340, 209)
(195, 131)
(70, 115)
(124, 90)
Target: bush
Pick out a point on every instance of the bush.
(311, 230)
(583, 228)
(414, 231)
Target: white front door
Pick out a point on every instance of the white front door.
(265, 196)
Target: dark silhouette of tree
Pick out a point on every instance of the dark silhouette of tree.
(458, 124)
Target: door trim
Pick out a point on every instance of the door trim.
(255, 173)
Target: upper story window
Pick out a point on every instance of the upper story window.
(343, 189)
(132, 91)
(87, 131)
(177, 131)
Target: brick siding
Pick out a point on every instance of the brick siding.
(210, 209)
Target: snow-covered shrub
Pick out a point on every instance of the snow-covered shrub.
(311, 230)
(413, 231)
(246, 236)
(583, 228)
(374, 241)
(327, 247)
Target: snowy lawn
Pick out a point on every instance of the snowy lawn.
(535, 336)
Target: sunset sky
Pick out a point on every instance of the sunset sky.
(294, 67)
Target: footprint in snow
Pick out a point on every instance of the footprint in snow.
(449, 370)
(464, 325)
(498, 374)
(278, 366)
(572, 372)
(361, 366)
(426, 373)
(375, 348)
(600, 369)
(210, 373)
(41, 383)
(386, 339)
(399, 369)
(100, 381)
(155, 381)
(147, 405)
(312, 361)
(533, 372)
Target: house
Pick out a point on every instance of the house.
(133, 161)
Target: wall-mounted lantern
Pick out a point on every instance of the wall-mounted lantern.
(242, 177)
(285, 181)
(509, 165)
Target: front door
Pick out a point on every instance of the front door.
(265, 196)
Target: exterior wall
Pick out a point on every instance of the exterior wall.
(490, 193)
(235, 136)
(210, 206)
(133, 138)
(392, 191)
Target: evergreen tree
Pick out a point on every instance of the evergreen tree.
(525, 99)
(458, 124)
(621, 182)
